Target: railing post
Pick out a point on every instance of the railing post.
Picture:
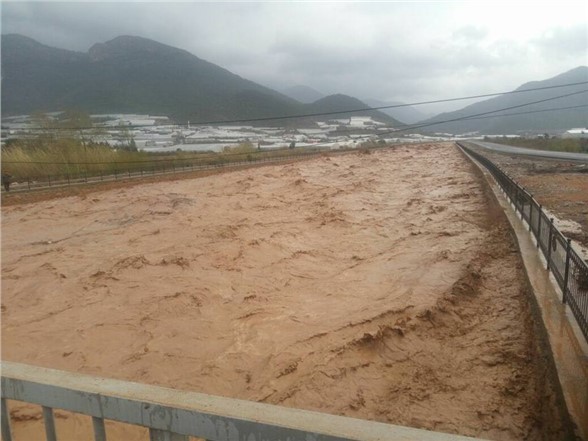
(99, 429)
(539, 225)
(549, 244)
(567, 271)
(6, 431)
(531, 214)
(49, 424)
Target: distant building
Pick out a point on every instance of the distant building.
(576, 133)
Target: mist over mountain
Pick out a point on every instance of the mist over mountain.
(304, 94)
(405, 114)
(339, 102)
(528, 118)
(129, 75)
(136, 75)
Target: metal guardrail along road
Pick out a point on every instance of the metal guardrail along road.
(550, 154)
(568, 268)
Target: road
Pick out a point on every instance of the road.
(581, 157)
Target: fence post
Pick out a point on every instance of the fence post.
(531, 213)
(49, 424)
(6, 431)
(99, 429)
(539, 225)
(549, 244)
(49, 180)
(567, 272)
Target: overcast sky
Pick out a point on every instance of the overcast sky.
(395, 51)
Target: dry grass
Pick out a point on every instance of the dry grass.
(44, 160)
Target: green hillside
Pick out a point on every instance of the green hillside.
(137, 75)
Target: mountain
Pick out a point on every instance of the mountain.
(340, 103)
(131, 75)
(406, 114)
(539, 121)
(304, 94)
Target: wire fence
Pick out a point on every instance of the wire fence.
(568, 268)
(128, 170)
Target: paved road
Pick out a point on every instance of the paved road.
(581, 157)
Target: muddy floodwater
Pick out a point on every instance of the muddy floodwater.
(382, 286)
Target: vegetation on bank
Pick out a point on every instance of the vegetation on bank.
(575, 145)
(43, 159)
(66, 146)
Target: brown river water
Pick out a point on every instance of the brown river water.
(381, 286)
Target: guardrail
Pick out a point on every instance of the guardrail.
(172, 415)
(568, 268)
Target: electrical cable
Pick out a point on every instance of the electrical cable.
(188, 158)
(433, 123)
(528, 112)
(285, 117)
(474, 116)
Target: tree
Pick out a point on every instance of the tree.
(77, 124)
(125, 137)
(131, 146)
(44, 126)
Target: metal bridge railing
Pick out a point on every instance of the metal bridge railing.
(568, 268)
(173, 415)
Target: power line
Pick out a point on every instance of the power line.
(307, 115)
(474, 116)
(528, 112)
(201, 156)
(433, 123)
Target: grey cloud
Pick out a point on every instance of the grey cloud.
(395, 51)
(563, 42)
(470, 33)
